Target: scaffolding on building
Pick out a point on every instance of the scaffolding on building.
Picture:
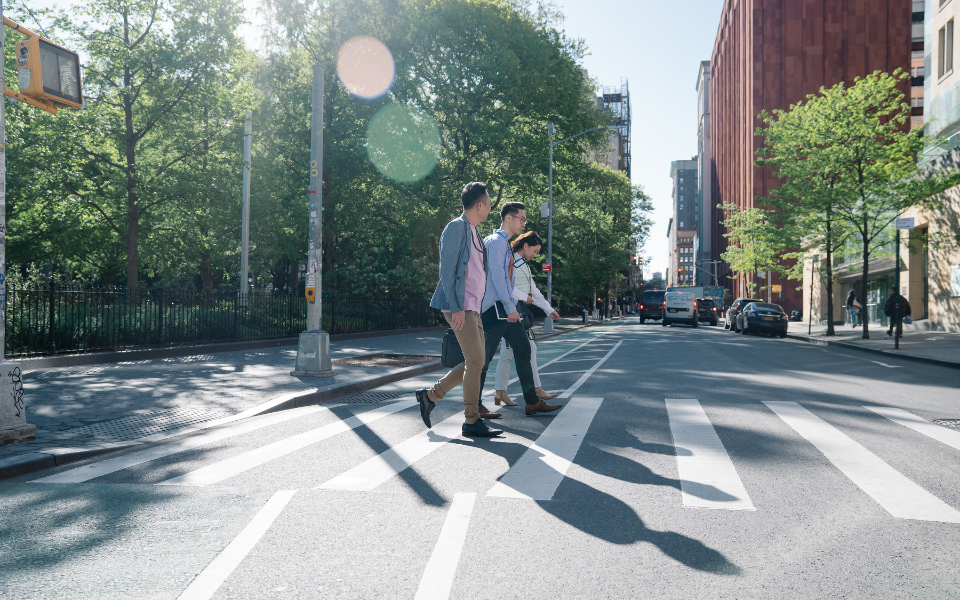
(616, 99)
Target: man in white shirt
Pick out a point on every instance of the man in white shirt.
(525, 248)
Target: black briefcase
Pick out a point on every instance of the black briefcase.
(451, 354)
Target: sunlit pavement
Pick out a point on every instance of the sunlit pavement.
(686, 463)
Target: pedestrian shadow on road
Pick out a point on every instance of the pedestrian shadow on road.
(612, 520)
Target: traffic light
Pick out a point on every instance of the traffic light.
(49, 73)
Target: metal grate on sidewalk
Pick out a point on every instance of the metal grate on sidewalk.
(129, 428)
(373, 397)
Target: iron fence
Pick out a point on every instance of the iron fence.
(68, 320)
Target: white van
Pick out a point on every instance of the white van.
(679, 307)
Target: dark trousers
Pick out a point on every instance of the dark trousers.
(899, 324)
(493, 330)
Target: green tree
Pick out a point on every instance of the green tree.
(752, 246)
(864, 133)
(803, 212)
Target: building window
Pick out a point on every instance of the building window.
(916, 72)
(916, 102)
(681, 224)
(945, 50)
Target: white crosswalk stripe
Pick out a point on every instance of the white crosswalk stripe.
(900, 496)
(943, 435)
(708, 478)
(541, 469)
(243, 462)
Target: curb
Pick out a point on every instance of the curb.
(55, 457)
(921, 359)
(94, 358)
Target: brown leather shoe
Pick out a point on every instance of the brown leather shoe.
(486, 414)
(540, 407)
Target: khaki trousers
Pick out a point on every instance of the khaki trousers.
(472, 342)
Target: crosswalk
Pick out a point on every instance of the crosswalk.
(707, 475)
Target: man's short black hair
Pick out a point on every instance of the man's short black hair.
(472, 193)
(511, 208)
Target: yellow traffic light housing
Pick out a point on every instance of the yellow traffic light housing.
(49, 73)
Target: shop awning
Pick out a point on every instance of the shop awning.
(879, 267)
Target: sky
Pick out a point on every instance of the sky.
(657, 45)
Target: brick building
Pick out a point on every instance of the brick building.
(772, 53)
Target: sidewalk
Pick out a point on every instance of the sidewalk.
(82, 411)
(935, 347)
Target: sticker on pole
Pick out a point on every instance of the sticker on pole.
(547, 268)
(905, 223)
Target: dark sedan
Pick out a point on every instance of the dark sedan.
(762, 317)
(730, 322)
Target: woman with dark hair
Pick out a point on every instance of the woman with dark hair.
(853, 307)
(525, 248)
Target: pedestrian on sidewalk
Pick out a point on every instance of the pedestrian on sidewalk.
(459, 294)
(889, 308)
(853, 308)
(500, 317)
(525, 248)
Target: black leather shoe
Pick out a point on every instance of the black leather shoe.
(480, 429)
(426, 407)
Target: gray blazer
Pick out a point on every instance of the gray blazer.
(454, 256)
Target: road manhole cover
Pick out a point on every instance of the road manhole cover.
(371, 397)
(952, 423)
(129, 428)
(384, 360)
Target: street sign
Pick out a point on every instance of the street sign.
(544, 210)
(776, 288)
(547, 268)
(905, 223)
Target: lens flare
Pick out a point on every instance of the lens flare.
(403, 143)
(365, 66)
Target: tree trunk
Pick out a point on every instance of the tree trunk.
(206, 271)
(133, 210)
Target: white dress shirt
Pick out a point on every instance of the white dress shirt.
(524, 286)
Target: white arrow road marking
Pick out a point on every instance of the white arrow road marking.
(438, 577)
(543, 466)
(943, 435)
(708, 478)
(900, 497)
(586, 376)
(111, 465)
(212, 577)
(254, 458)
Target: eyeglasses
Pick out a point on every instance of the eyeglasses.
(522, 219)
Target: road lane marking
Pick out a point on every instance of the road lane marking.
(550, 362)
(254, 458)
(111, 465)
(900, 496)
(564, 372)
(708, 478)
(543, 466)
(212, 577)
(382, 467)
(441, 569)
(941, 434)
(886, 365)
(586, 376)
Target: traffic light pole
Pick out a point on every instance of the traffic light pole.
(313, 350)
(245, 211)
(13, 414)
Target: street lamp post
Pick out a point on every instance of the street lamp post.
(548, 322)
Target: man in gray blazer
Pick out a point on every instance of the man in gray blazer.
(459, 294)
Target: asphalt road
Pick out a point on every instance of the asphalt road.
(687, 463)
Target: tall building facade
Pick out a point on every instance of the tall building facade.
(616, 101)
(772, 53)
(683, 229)
(707, 271)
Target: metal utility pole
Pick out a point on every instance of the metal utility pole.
(245, 218)
(13, 414)
(313, 351)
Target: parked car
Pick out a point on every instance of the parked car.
(762, 317)
(730, 321)
(796, 315)
(707, 311)
(680, 307)
(651, 305)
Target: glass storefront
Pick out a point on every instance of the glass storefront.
(877, 292)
